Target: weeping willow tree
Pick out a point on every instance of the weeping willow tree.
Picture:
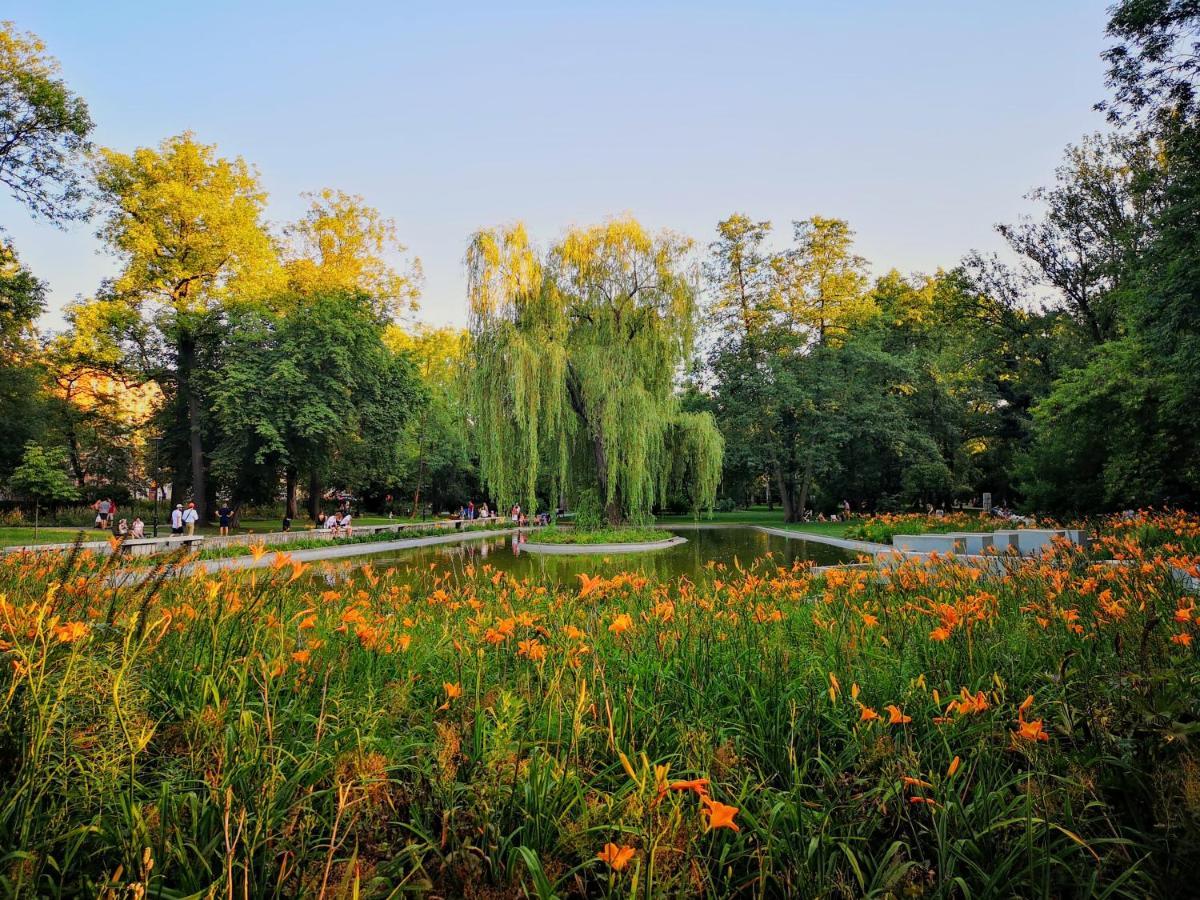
(574, 357)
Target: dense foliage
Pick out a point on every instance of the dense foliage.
(929, 730)
(574, 359)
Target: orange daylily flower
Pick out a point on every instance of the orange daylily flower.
(302, 656)
(71, 632)
(699, 785)
(453, 692)
(954, 764)
(1183, 639)
(588, 584)
(868, 715)
(616, 857)
(895, 716)
(621, 624)
(1031, 731)
(719, 815)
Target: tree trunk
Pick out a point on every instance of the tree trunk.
(806, 483)
(420, 465)
(187, 366)
(290, 479)
(770, 502)
(612, 508)
(786, 500)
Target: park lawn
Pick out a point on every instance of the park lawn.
(16, 536)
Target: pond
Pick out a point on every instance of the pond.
(718, 544)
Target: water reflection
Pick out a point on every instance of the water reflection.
(722, 545)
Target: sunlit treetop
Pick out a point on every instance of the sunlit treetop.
(341, 243)
(187, 223)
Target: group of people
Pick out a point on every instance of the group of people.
(183, 520)
(106, 513)
(470, 512)
(336, 523)
(842, 516)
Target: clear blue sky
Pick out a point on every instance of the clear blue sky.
(921, 122)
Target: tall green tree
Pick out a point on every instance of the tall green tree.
(308, 385)
(44, 130)
(575, 357)
(187, 226)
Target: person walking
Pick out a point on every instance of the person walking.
(104, 509)
(177, 519)
(470, 510)
(190, 518)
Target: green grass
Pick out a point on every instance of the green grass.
(16, 536)
(599, 536)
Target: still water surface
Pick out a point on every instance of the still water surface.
(722, 545)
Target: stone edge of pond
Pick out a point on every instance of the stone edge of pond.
(602, 549)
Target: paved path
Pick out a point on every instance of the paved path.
(316, 554)
(845, 543)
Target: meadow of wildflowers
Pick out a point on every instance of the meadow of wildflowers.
(929, 729)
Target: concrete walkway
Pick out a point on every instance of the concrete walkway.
(317, 554)
(844, 543)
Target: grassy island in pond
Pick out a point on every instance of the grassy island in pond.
(601, 536)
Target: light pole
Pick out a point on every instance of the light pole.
(157, 486)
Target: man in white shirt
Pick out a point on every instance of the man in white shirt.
(345, 523)
(190, 518)
(177, 519)
(331, 524)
